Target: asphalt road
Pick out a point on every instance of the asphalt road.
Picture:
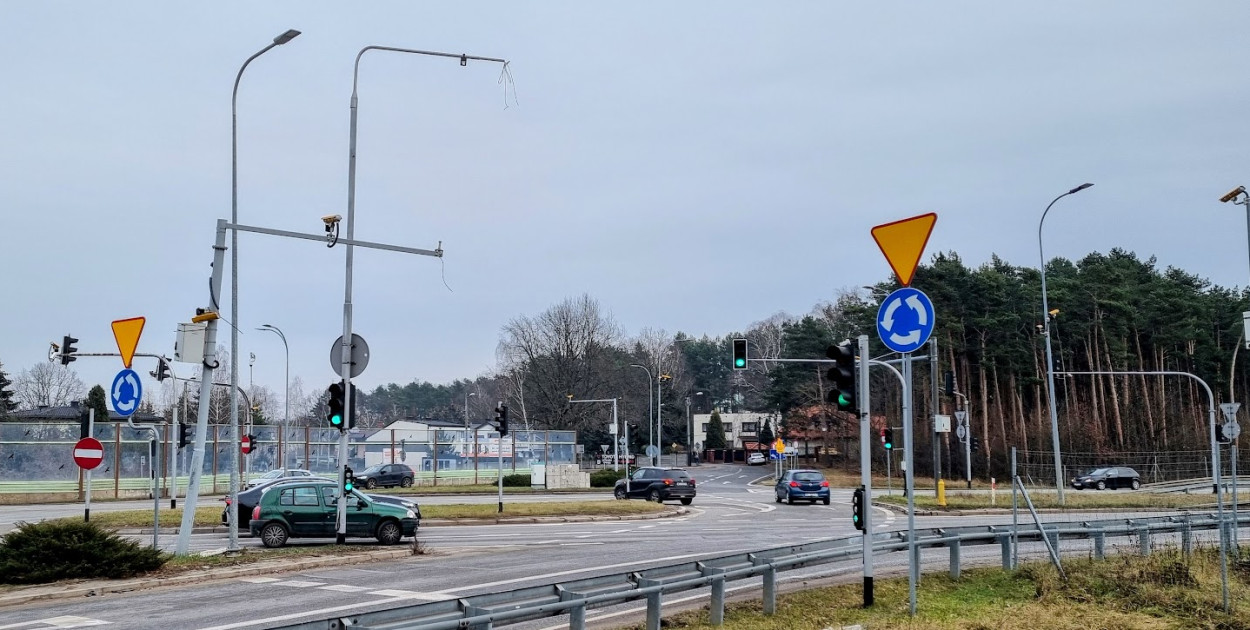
(729, 516)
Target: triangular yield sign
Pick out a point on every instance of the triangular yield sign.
(903, 243)
(126, 332)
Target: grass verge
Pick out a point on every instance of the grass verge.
(1163, 590)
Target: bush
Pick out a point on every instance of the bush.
(605, 478)
(516, 481)
(37, 553)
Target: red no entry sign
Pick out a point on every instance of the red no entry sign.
(245, 444)
(88, 453)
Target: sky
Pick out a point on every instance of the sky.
(694, 166)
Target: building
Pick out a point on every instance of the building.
(742, 430)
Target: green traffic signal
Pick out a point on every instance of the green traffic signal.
(740, 363)
(336, 420)
(740, 354)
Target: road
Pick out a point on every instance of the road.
(728, 516)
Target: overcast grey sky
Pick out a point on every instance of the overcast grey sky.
(693, 166)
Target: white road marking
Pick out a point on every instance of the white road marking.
(408, 594)
(343, 588)
(323, 611)
(260, 580)
(298, 584)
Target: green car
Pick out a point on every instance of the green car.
(309, 510)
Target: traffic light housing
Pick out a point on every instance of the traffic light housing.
(84, 422)
(68, 349)
(740, 354)
(186, 433)
(843, 388)
(162, 370)
(948, 384)
(887, 437)
(857, 508)
(974, 442)
(501, 418)
(349, 480)
(335, 416)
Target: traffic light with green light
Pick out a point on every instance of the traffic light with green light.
(842, 377)
(857, 508)
(335, 405)
(349, 480)
(740, 354)
(887, 437)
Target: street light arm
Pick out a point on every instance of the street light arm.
(462, 58)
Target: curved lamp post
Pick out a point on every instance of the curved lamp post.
(1050, 362)
(650, 402)
(286, 396)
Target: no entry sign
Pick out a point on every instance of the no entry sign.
(245, 444)
(88, 453)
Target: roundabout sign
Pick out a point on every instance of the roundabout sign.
(905, 320)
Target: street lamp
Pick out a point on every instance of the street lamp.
(286, 396)
(690, 432)
(466, 407)
(650, 403)
(1050, 362)
(234, 275)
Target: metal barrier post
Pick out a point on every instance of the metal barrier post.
(1006, 543)
(653, 611)
(1187, 543)
(716, 614)
(1100, 545)
(1143, 539)
(954, 546)
(770, 591)
(577, 618)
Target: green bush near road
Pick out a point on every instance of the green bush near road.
(516, 481)
(38, 553)
(605, 478)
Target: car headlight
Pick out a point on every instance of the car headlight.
(410, 514)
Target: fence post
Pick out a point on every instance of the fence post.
(954, 546)
(770, 591)
(1100, 542)
(653, 611)
(716, 613)
(1143, 539)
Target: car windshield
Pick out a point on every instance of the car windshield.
(1098, 471)
(373, 470)
(808, 476)
(273, 474)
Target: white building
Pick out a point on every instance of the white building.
(742, 430)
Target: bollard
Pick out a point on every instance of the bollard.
(1100, 545)
(1143, 540)
(653, 611)
(1187, 543)
(577, 618)
(941, 492)
(954, 545)
(1006, 541)
(993, 491)
(770, 591)
(716, 614)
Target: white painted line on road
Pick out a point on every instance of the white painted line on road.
(298, 584)
(585, 536)
(579, 544)
(70, 621)
(317, 613)
(409, 594)
(260, 580)
(621, 531)
(344, 588)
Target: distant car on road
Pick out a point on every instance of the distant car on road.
(278, 473)
(1110, 477)
(756, 459)
(657, 484)
(386, 475)
(307, 510)
(802, 485)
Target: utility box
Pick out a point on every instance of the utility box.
(941, 424)
(189, 344)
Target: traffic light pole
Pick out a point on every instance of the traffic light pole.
(865, 462)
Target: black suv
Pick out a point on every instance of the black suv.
(657, 484)
(385, 475)
(1111, 477)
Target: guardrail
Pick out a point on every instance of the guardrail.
(575, 597)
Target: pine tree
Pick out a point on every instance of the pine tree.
(766, 435)
(96, 399)
(715, 432)
(7, 404)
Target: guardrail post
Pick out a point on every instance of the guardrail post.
(716, 613)
(954, 546)
(1100, 545)
(653, 611)
(1006, 543)
(1053, 535)
(577, 618)
(1187, 541)
(770, 591)
(1143, 539)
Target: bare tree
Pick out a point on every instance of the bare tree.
(47, 383)
(767, 339)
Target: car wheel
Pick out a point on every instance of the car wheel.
(389, 532)
(654, 495)
(406, 482)
(687, 501)
(1136, 484)
(790, 500)
(273, 535)
(1102, 485)
(826, 500)
(371, 484)
(778, 498)
(619, 493)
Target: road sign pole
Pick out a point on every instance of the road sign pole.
(86, 515)
(909, 474)
(156, 489)
(865, 463)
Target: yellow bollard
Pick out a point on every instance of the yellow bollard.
(941, 492)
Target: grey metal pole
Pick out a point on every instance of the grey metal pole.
(175, 431)
(1015, 514)
(650, 398)
(865, 464)
(234, 265)
(86, 515)
(1236, 525)
(909, 475)
(500, 479)
(937, 444)
(156, 490)
(1050, 362)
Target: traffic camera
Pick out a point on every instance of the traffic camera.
(740, 354)
(857, 508)
(842, 377)
(68, 349)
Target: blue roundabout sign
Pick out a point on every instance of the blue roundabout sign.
(905, 320)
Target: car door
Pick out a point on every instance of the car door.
(783, 486)
(361, 517)
(640, 482)
(301, 507)
(391, 475)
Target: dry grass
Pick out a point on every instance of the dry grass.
(143, 518)
(1163, 590)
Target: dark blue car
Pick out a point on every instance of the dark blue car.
(802, 485)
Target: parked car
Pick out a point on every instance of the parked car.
(386, 475)
(802, 484)
(277, 473)
(657, 484)
(756, 459)
(1111, 477)
(308, 510)
(249, 498)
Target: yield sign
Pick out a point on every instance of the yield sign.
(903, 243)
(88, 453)
(126, 332)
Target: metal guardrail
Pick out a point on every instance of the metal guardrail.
(575, 597)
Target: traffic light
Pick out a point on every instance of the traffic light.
(949, 383)
(740, 354)
(349, 480)
(335, 404)
(351, 415)
(501, 418)
(974, 442)
(887, 437)
(186, 433)
(857, 508)
(68, 349)
(84, 422)
(162, 370)
(842, 390)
